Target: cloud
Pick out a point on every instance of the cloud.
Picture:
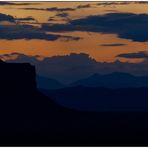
(60, 9)
(64, 68)
(83, 6)
(16, 3)
(69, 68)
(141, 2)
(69, 38)
(6, 3)
(52, 18)
(64, 14)
(18, 31)
(25, 32)
(4, 17)
(125, 25)
(112, 3)
(56, 9)
(39, 9)
(112, 11)
(141, 54)
(29, 18)
(29, 32)
(115, 44)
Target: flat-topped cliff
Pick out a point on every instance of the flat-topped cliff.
(22, 106)
(17, 77)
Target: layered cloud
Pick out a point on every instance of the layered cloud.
(24, 32)
(125, 25)
(29, 18)
(29, 32)
(17, 3)
(4, 17)
(64, 14)
(56, 9)
(114, 3)
(73, 67)
(84, 6)
(114, 44)
(141, 54)
(14, 30)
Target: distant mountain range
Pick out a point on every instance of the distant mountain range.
(112, 80)
(47, 83)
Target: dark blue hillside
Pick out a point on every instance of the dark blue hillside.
(101, 99)
(113, 80)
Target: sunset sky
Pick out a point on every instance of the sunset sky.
(102, 46)
(104, 31)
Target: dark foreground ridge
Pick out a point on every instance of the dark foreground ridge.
(28, 118)
(101, 99)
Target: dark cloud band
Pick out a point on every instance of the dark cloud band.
(141, 54)
(125, 25)
(115, 44)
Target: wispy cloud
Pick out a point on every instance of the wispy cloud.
(113, 3)
(56, 9)
(29, 18)
(64, 14)
(17, 3)
(84, 6)
(141, 54)
(114, 44)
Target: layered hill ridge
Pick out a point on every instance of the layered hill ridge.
(113, 80)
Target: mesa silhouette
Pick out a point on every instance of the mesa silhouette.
(24, 111)
(28, 118)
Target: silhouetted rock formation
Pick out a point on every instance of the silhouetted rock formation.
(27, 117)
(17, 77)
(22, 108)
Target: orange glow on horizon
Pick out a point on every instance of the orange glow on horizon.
(91, 43)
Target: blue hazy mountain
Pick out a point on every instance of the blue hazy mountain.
(48, 83)
(113, 80)
(101, 99)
